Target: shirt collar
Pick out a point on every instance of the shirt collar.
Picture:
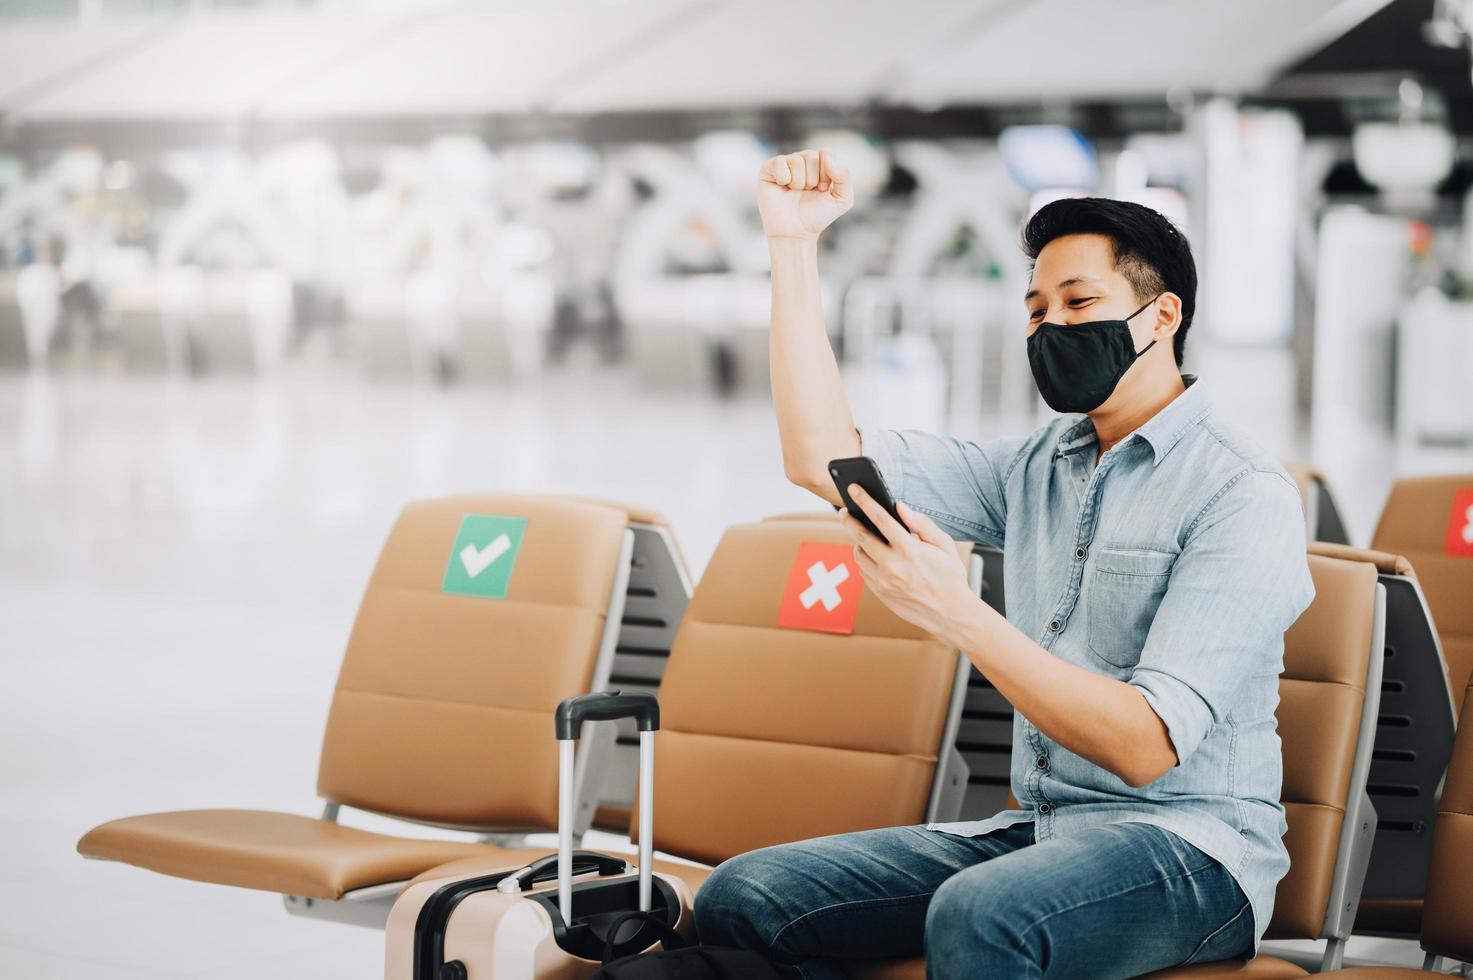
(1076, 437)
(1161, 432)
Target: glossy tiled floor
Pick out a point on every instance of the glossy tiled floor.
(180, 563)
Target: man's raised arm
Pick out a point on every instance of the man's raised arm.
(798, 196)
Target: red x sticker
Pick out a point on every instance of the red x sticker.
(823, 589)
(1460, 524)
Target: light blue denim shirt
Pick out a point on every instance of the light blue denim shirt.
(1174, 565)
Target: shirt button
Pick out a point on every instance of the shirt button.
(1044, 808)
(1041, 762)
(1079, 553)
(1055, 625)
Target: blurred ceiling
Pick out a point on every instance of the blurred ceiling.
(1366, 64)
(397, 60)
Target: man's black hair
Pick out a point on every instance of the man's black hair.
(1149, 250)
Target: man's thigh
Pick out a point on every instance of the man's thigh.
(1114, 901)
(856, 894)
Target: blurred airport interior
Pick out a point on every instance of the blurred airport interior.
(270, 269)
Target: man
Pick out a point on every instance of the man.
(1155, 558)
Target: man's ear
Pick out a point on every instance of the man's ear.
(1168, 316)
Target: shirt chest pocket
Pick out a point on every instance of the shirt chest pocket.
(1121, 593)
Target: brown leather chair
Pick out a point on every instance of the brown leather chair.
(1415, 523)
(741, 725)
(1328, 696)
(1322, 518)
(440, 715)
(984, 737)
(1447, 921)
(1414, 736)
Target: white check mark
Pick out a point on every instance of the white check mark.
(475, 562)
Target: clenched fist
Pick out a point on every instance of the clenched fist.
(800, 194)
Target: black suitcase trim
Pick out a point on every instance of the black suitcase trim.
(582, 940)
(589, 933)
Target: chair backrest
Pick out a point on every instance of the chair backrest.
(1414, 735)
(774, 733)
(1322, 518)
(443, 707)
(984, 737)
(1329, 694)
(1428, 520)
(1447, 918)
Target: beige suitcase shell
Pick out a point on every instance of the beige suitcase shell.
(504, 937)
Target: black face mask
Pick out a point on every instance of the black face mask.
(1078, 366)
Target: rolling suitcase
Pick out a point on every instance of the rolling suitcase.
(551, 919)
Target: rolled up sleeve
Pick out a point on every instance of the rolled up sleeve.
(959, 484)
(1240, 581)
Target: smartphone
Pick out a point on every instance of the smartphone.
(863, 471)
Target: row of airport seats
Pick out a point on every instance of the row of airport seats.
(1423, 549)
(442, 712)
(440, 716)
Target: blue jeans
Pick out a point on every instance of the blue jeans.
(1113, 901)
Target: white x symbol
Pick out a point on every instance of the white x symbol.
(1468, 528)
(825, 587)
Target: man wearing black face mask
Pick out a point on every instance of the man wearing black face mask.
(1084, 359)
(1155, 558)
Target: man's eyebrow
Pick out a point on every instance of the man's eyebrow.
(1076, 280)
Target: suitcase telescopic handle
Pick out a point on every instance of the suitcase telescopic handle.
(568, 719)
(605, 706)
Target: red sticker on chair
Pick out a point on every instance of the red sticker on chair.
(1460, 524)
(823, 589)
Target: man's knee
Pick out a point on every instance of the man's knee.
(734, 906)
(973, 919)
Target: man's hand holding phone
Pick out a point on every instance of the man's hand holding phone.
(917, 573)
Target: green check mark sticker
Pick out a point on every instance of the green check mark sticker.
(482, 557)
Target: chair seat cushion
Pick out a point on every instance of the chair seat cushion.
(1377, 973)
(276, 852)
(1258, 968)
(497, 860)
